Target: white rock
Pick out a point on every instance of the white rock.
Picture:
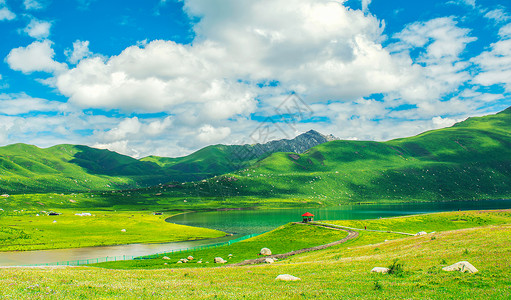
(287, 277)
(219, 260)
(462, 266)
(179, 262)
(166, 257)
(421, 233)
(184, 260)
(123, 230)
(380, 270)
(269, 260)
(190, 257)
(265, 251)
(199, 262)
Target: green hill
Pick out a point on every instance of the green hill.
(74, 168)
(64, 168)
(468, 161)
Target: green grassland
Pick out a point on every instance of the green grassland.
(29, 230)
(284, 239)
(339, 272)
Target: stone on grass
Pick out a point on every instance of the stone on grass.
(287, 277)
(184, 260)
(269, 260)
(166, 257)
(199, 262)
(421, 233)
(462, 266)
(265, 252)
(190, 257)
(380, 270)
(219, 260)
(123, 230)
(179, 262)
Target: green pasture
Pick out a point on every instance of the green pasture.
(339, 272)
(284, 239)
(22, 230)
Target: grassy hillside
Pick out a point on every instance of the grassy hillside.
(469, 161)
(73, 168)
(26, 168)
(340, 272)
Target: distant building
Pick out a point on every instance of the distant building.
(307, 217)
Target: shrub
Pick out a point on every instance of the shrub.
(396, 268)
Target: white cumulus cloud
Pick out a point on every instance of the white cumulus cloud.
(38, 29)
(6, 14)
(37, 56)
(80, 51)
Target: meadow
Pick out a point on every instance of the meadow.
(339, 272)
(30, 230)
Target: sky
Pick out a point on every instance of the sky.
(168, 77)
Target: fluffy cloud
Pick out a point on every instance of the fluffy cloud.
(80, 51)
(440, 69)
(495, 64)
(34, 4)
(38, 29)
(498, 15)
(209, 134)
(37, 56)
(5, 13)
(22, 104)
(158, 77)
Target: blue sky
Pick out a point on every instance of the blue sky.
(167, 77)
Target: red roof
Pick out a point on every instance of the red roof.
(307, 214)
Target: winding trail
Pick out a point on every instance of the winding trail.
(351, 235)
(359, 229)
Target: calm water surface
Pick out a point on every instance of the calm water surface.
(254, 221)
(242, 222)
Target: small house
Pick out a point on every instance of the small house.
(307, 217)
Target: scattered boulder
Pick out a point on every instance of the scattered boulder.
(421, 233)
(219, 260)
(287, 277)
(380, 270)
(166, 257)
(265, 252)
(199, 262)
(123, 230)
(462, 266)
(183, 260)
(179, 262)
(190, 257)
(269, 260)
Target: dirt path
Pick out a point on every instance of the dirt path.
(351, 235)
(359, 229)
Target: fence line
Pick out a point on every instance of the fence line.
(151, 256)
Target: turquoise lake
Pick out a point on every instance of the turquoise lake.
(240, 223)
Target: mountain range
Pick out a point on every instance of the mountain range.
(468, 161)
(76, 168)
